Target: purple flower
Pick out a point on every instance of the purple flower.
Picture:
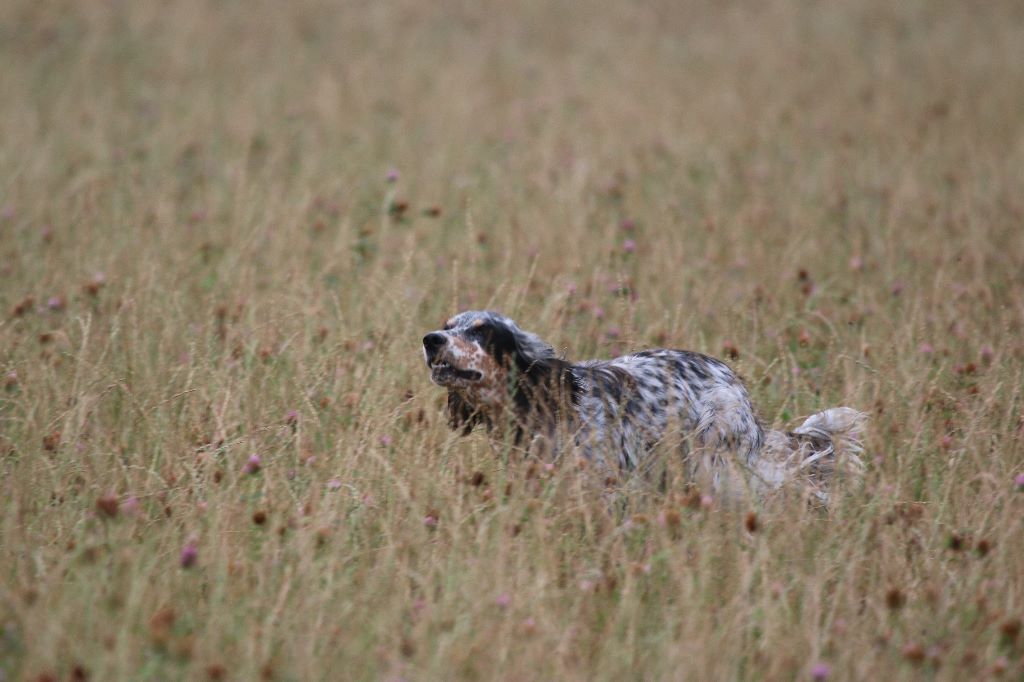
(503, 600)
(430, 521)
(131, 506)
(333, 484)
(385, 440)
(55, 303)
(291, 418)
(189, 554)
(821, 671)
(1019, 482)
(627, 224)
(629, 246)
(252, 466)
(926, 349)
(391, 175)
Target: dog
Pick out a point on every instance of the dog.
(617, 412)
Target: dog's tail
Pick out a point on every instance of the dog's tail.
(826, 446)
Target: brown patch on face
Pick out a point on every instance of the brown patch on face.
(492, 388)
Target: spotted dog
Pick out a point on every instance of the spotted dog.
(617, 411)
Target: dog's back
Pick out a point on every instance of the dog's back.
(628, 404)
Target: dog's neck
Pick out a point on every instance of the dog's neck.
(538, 400)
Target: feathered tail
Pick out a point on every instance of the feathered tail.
(826, 444)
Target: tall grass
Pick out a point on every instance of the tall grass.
(225, 226)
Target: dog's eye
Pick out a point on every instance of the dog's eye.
(480, 329)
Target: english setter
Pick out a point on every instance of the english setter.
(617, 411)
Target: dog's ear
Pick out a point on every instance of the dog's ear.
(529, 350)
(544, 379)
(547, 387)
(461, 415)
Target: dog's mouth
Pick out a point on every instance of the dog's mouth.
(443, 374)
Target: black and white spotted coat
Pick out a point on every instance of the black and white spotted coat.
(615, 412)
(628, 404)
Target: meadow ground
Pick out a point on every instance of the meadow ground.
(225, 226)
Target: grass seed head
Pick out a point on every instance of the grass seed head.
(1010, 630)
(107, 506)
(751, 522)
(914, 652)
(895, 599)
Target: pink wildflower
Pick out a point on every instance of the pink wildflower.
(189, 554)
(131, 506)
(252, 465)
(820, 671)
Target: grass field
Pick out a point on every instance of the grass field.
(225, 227)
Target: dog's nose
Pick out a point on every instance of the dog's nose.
(433, 341)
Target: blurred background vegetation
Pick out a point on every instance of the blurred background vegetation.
(225, 226)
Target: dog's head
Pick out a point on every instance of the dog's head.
(481, 358)
(477, 349)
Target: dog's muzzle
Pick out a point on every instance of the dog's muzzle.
(442, 372)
